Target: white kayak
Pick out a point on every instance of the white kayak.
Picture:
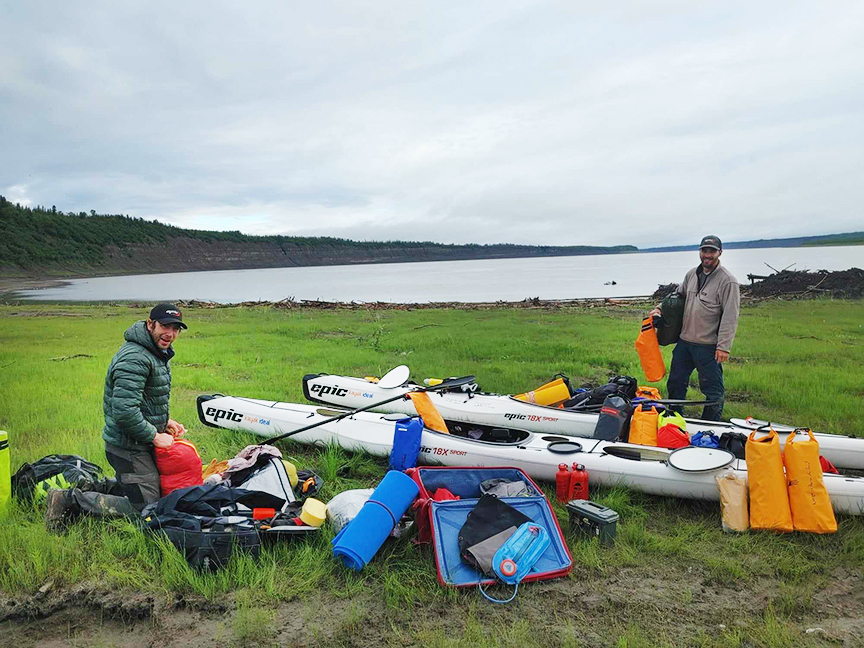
(649, 470)
(496, 410)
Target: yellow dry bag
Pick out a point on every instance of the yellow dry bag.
(551, 393)
(808, 498)
(769, 499)
(649, 352)
(643, 426)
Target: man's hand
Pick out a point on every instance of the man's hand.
(163, 440)
(175, 429)
(721, 356)
(655, 312)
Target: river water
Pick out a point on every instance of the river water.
(444, 281)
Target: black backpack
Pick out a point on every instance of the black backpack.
(53, 471)
(592, 399)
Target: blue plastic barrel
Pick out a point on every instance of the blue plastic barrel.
(361, 538)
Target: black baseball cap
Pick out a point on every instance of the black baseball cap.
(711, 242)
(167, 314)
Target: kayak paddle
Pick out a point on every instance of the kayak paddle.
(447, 384)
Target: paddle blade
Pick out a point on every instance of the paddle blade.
(428, 412)
(450, 383)
(395, 377)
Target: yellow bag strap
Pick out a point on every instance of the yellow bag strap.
(428, 412)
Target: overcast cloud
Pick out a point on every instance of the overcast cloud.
(649, 123)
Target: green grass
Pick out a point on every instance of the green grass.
(799, 362)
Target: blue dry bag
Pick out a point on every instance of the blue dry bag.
(705, 440)
(406, 443)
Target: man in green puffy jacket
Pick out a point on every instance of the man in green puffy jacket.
(135, 403)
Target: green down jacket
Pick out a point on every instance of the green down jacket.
(137, 390)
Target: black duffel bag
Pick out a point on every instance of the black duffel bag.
(204, 523)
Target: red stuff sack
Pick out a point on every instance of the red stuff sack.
(671, 430)
(827, 466)
(179, 466)
(672, 436)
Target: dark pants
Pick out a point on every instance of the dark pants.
(685, 358)
(103, 499)
(136, 473)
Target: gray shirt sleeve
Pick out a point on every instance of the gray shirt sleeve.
(730, 297)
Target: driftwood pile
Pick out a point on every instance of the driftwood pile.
(843, 284)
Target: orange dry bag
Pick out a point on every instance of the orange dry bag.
(428, 412)
(808, 498)
(651, 393)
(643, 426)
(649, 352)
(769, 499)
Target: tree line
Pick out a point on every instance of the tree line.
(40, 238)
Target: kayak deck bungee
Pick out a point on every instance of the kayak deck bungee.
(497, 410)
(608, 463)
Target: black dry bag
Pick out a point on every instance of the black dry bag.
(671, 320)
(613, 420)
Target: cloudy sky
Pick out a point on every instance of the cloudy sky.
(649, 123)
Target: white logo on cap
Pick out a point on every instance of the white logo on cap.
(172, 312)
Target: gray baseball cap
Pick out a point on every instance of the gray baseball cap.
(711, 241)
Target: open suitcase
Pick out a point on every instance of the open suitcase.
(440, 522)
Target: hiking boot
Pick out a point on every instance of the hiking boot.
(59, 508)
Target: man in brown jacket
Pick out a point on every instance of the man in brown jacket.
(711, 306)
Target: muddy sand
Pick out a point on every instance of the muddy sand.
(684, 605)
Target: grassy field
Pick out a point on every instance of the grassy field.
(673, 577)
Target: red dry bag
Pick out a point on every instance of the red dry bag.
(179, 466)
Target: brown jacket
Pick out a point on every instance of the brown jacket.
(710, 315)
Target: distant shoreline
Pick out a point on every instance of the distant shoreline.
(10, 285)
(16, 281)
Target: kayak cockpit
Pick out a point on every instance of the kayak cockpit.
(487, 433)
